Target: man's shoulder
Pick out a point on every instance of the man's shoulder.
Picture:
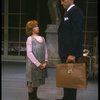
(76, 11)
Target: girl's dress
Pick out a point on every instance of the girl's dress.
(34, 75)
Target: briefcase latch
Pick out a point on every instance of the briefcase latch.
(70, 68)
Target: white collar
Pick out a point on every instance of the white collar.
(70, 7)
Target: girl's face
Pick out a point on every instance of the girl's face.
(36, 29)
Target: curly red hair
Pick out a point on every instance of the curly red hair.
(29, 26)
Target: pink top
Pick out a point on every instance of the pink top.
(30, 55)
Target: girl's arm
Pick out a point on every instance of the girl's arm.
(29, 52)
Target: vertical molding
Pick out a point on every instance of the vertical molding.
(6, 27)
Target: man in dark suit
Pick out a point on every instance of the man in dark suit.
(70, 39)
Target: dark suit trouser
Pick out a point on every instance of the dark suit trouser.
(69, 94)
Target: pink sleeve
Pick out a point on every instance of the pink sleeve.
(29, 52)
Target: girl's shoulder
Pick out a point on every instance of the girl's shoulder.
(29, 38)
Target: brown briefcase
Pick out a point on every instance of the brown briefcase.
(71, 75)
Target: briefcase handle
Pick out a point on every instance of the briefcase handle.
(70, 61)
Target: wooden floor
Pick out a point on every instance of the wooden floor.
(14, 85)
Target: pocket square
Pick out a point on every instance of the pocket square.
(66, 18)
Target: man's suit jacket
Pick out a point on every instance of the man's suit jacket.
(70, 35)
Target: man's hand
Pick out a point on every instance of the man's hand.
(71, 58)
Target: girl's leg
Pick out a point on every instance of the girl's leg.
(35, 93)
(30, 93)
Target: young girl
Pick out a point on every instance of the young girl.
(37, 59)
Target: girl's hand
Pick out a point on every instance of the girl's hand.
(44, 65)
(41, 66)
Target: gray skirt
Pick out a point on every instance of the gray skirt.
(34, 75)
